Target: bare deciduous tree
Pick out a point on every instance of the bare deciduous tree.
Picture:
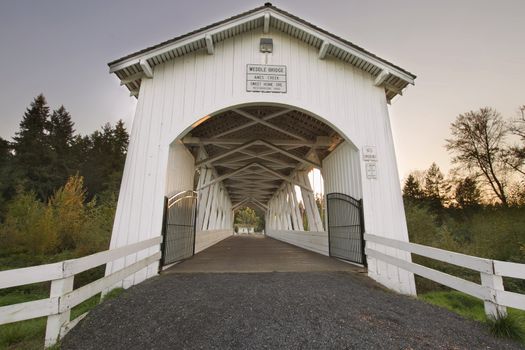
(477, 144)
(515, 156)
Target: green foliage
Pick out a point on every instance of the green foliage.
(26, 228)
(23, 335)
(467, 194)
(102, 158)
(66, 223)
(248, 217)
(511, 326)
(412, 190)
(460, 303)
(508, 326)
(30, 334)
(490, 232)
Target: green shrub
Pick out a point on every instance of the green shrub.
(509, 326)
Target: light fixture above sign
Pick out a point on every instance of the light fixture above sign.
(266, 45)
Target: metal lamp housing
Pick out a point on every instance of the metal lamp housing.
(266, 45)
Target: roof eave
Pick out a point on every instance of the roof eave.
(193, 38)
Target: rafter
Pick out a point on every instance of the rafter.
(324, 49)
(225, 176)
(270, 125)
(381, 78)
(248, 124)
(322, 141)
(225, 154)
(148, 71)
(209, 44)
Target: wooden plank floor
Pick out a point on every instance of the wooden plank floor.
(258, 253)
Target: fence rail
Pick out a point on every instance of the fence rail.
(62, 296)
(491, 289)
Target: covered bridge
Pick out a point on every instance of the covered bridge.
(237, 114)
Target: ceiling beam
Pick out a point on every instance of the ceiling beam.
(225, 154)
(240, 203)
(263, 205)
(244, 126)
(225, 176)
(267, 124)
(323, 141)
(285, 178)
(291, 155)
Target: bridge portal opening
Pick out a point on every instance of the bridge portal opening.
(292, 167)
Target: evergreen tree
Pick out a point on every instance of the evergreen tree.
(121, 140)
(5, 151)
(104, 160)
(467, 193)
(434, 188)
(32, 152)
(6, 188)
(412, 189)
(61, 138)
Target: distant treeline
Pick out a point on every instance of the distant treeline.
(479, 208)
(58, 189)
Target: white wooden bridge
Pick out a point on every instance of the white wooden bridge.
(237, 114)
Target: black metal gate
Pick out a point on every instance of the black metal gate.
(345, 227)
(180, 212)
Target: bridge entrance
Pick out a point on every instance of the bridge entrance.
(261, 156)
(241, 112)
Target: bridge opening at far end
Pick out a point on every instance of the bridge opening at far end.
(292, 169)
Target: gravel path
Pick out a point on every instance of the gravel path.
(311, 310)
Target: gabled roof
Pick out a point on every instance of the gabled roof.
(132, 68)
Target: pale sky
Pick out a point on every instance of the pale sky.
(466, 53)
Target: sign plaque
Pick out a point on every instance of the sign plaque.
(369, 154)
(265, 78)
(371, 170)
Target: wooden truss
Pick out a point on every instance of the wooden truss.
(259, 156)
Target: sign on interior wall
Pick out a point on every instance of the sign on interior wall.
(265, 78)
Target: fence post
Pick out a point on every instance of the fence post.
(56, 322)
(494, 283)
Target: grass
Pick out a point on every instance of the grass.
(512, 326)
(29, 335)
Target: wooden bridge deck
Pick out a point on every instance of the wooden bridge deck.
(258, 253)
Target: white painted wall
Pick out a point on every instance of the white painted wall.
(341, 171)
(309, 240)
(180, 171)
(205, 239)
(189, 88)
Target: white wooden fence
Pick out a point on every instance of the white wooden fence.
(62, 297)
(491, 289)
